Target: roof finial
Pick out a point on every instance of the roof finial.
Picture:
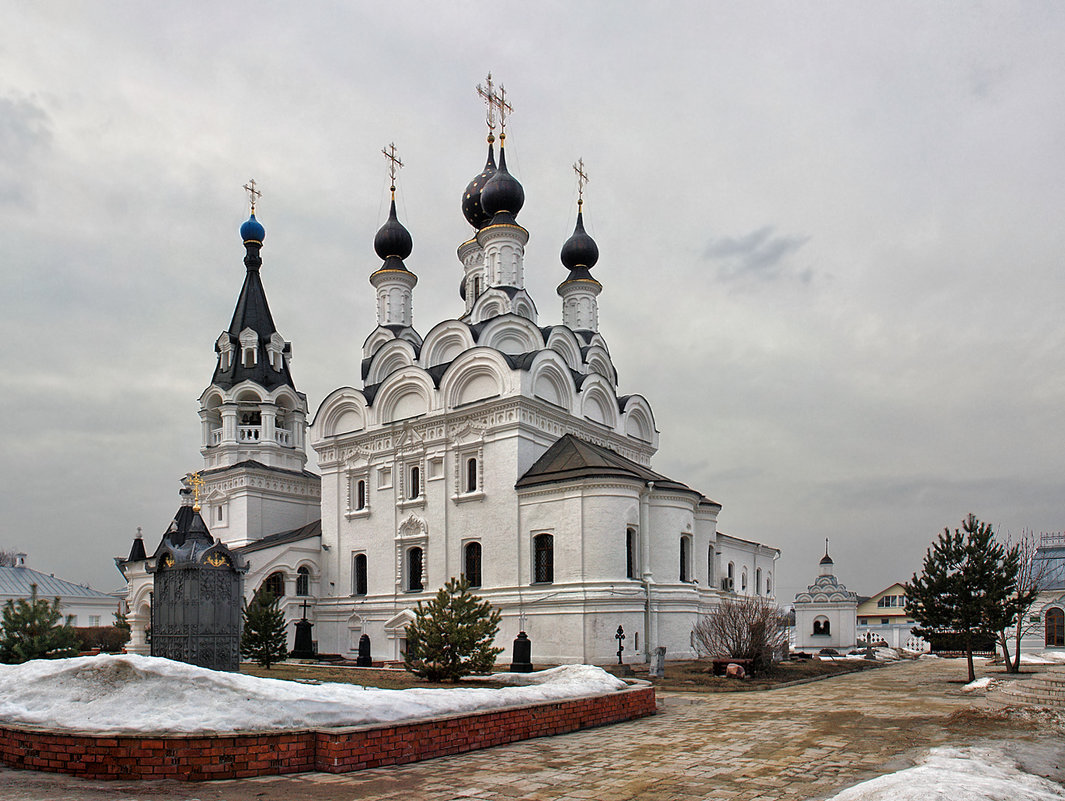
(197, 482)
(253, 194)
(394, 165)
(489, 96)
(826, 546)
(582, 179)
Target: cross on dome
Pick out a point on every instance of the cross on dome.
(253, 193)
(197, 482)
(582, 180)
(394, 164)
(496, 102)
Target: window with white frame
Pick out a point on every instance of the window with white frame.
(685, 558)
(543, 559)
(631, 553)
(471, 563)
(358, 492)
(415, 565)
(358, 574)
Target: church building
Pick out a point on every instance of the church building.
(495, 446)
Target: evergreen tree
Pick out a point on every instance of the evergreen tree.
(965, 587)
(264, 639)
(35, 629)
(451, 635)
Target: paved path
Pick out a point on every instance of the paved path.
(803, 742)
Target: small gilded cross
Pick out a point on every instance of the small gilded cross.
(197, 482)
(253, 193)
(394, 164)
(582, 180)
(490, 97)
(504, 109)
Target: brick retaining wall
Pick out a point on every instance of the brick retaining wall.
(196, 757)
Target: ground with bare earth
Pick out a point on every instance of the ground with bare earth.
(797, 742)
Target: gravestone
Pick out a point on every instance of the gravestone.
(197, 595)
(658, 662)
(304, 645)
(364, 659)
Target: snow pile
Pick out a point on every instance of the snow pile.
(1043, 658)
(957, 774)
(980, 684)
(149, 694)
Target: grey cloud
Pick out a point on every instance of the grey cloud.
(761, 254)
(25, 131)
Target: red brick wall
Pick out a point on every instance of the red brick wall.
(195, 757)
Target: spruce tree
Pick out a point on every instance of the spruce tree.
(965, 587)
(35, 629)
(451, 635)
(264, 639)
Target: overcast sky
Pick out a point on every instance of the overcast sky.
(831, 242)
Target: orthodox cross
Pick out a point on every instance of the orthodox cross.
(394, 164)
(582, 179)
(496, 102)
(197, 482)
(253, 193)
(304, 608)
(504, 109)
(620, 637)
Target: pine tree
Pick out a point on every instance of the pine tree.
(35, 629)
(451, 635)
(265, 638)
(965, 587)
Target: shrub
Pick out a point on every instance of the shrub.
(744, 628)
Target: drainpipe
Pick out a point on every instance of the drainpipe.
(650, 627)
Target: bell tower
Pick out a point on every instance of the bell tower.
(253, 419)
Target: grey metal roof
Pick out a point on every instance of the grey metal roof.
(15, 582)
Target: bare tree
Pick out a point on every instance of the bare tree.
(1030, 578)
(8, 558)
(744, 628)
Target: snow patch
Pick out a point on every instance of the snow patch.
(131, 693)
(980, 684)
(957, 774)
(1043, 658)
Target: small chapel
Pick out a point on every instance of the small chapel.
(494, 445)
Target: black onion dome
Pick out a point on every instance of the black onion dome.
(826, 560)
(393, 240)
(471, 198)
(502, 193)
(580, 249)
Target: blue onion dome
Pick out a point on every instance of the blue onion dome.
(252, 230)
(580, 249)
(471, 198)
(502, 193)
(393, 240)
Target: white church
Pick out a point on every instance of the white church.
(495, 445)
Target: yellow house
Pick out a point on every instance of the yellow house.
(882, 617)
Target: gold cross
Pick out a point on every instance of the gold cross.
(504, 109)
(582, 179)
(393, 163)
(253, 193)
(197, 482)
(490, 97)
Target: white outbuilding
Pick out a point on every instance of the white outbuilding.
(826, 612)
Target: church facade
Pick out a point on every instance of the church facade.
(494, 446)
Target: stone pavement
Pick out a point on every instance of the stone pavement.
(802, 742)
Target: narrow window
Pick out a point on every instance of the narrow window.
(684, 559)
(359, 580)
(275, 584)
(360, 494)
(249, 357)
(473, 564)
(768, 585)
(471, 475)
(303, 581)
(630, 553)
(543, 559)
(415, 483)
(758, 581)
(743, 580)
(219, 514)
(476, 286)
(1055, 627)
(414, 569)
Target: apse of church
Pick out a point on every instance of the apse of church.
(493, 445)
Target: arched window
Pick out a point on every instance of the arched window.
(414, 569)
(303, 581)
(710, 579)
(543, 558)
(471, 474)
(275, 584)
(358, 581)
(1055, 626)
(476, 285)
(472, 563)
(758, 581)
(360, 494)
(743, 580)
(822, 626)
(769, 584)
(415, 483)
(630, 553)
(685, 559)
